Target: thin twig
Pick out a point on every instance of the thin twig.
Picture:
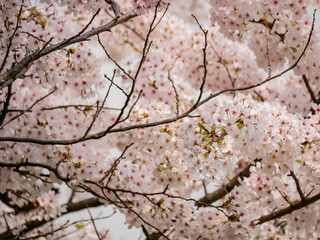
(20, 68)
(284, 196)
(71, 106)
(259, 95)
(173, 85)
(138, 216)
(88, 24)
(113, 60)
(96, 115)
(298, 186)
(205, 32)
(115, 8)
(115, 164)
(165, 121)
(145, 51)
(35, 37)
(70, 207)
(28, 109)
(134, 31)
(33, 164)
(284, 211)
(132, 107)
(268, 56)
(44, 46)
(313, 97)
(6, 105)
(11, 38)
(112, 82)
(94, 225)
(130, 28)
(222, 61)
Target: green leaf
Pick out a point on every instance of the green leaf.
(88, 108)
(41, 124)
(78, 164)
(79, 225)
(153, 85)
(240, 125)
(234, 218)
(227, 202)
(201, 126)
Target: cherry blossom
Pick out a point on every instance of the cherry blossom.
(216, 135)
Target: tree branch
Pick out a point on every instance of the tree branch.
(224, 190)
(165, 121)
(115, 8)
(20, 68)
(26, 110)
(10, 40)
(96, 115)
(71, 207)
(6, 105)
(284, 211)
(94, 225)
(205, 32)
(313, 97)
(31, 164)
(298, 186)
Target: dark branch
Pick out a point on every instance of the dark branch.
(312, 95)
(284, 211)
(10, 40)
(20, 68)
(71, 207)
(224, 190)
(165, 121)
(6, 105)
(205, 32)
(115, 8)
(298, 186)
(26, 110)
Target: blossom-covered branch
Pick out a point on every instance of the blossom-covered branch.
(21, 68)
(192, 119)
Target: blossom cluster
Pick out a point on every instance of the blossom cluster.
(231, 133)
(150, 157)
(276, 31)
